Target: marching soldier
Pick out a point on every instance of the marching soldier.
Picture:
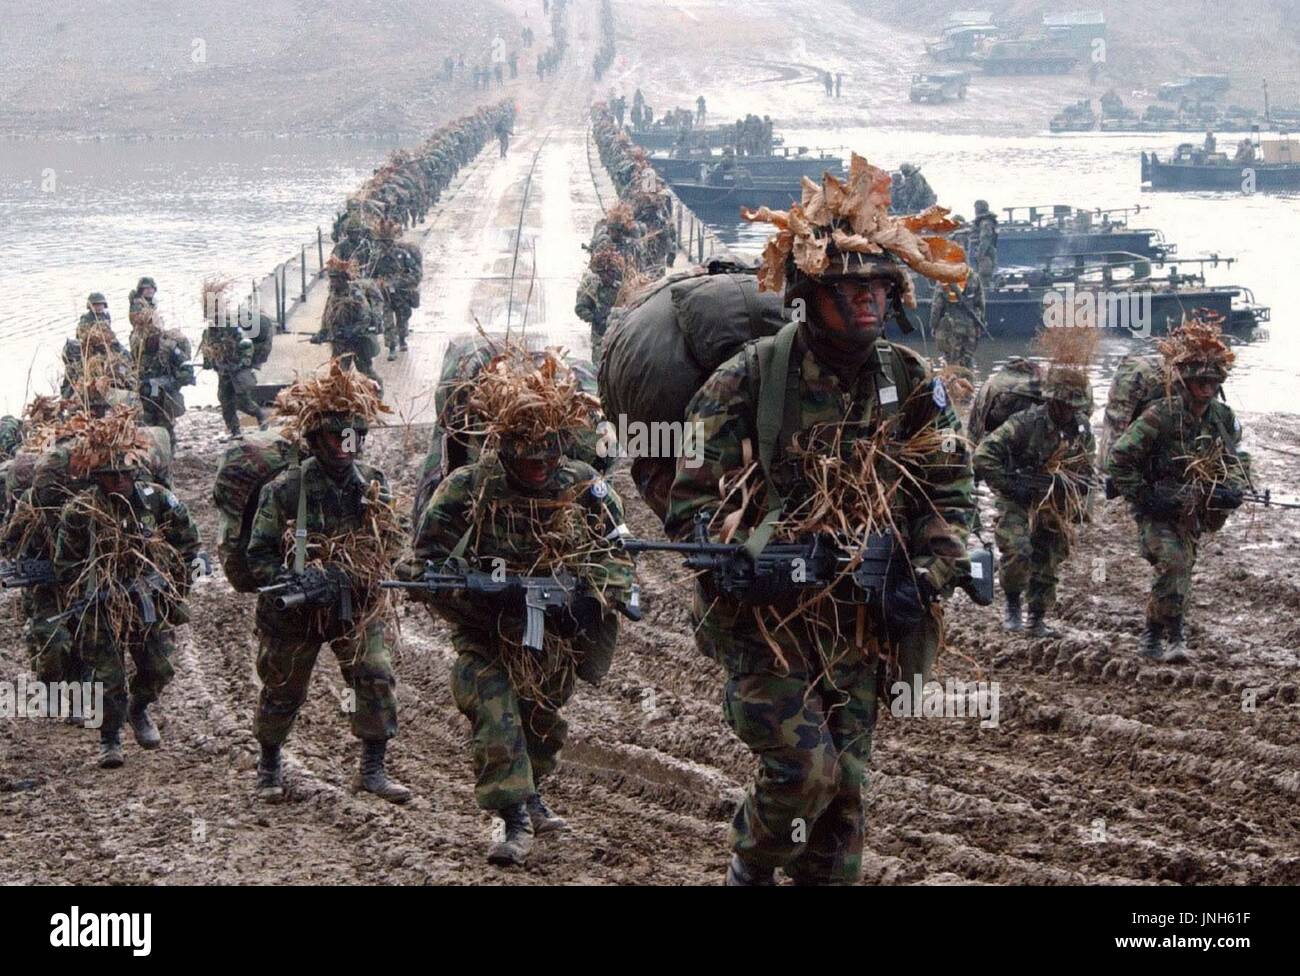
(395, 266)
(984, 243)
(804, 698)
(598, 293)
(1039, 462)
(162, 367)
(227, 350)
(1181, 467)
(482, 516)
(328, 494)
(957, 317)
(133, 524)
(96, 311)
(348, 320)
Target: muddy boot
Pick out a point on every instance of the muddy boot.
(1011, 619)
(513, 848)
(1038, 626)
(1175, 645)
(743, 875)
(373, 779)
(110, 749)
(402, 346)
(1151, 644)
(142, 727)
(263, 419)
(545, 820)
(270, 774)
(392, 353)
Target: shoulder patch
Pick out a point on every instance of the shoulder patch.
(940, 393)
(600, 489)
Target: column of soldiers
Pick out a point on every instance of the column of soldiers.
(374, 275)
(636, 240)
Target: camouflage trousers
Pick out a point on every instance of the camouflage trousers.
(957, 341)
(358, 351)
(515, 741)
(396, 324)
(235, 394)
(49, 645)
(597, 345)
(105, 661)
(1171, 550)
(285, 662)
(804, 812)
(1030, 560)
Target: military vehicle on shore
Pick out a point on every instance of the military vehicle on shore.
(939, 86)
(1025, 56)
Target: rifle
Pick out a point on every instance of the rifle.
(541, 593)
(971, 312)
(814, 564)
(310, 588)
(20, 573)
(141, 588)
(1222, 493)
(1040, 481)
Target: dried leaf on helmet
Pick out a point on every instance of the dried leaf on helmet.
(104, 441)
(1068, 347)
(1199, 339)
(527, 395)
(332, 390)
(853, 214)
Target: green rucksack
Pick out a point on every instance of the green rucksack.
(247, 465)
(11, 436)
(1016, 386)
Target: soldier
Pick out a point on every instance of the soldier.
(140, 300)
(348, 320)
(913, 193)
(808, 709)
(162, 367)
(227, 350)
(502, 130)
(701, 110)
(1053, 441)
(11, 436)
(984, 243)
(484, 516)
(131, 523)
(396, 269)
(333, 488)
(957, 317)
(1165, 465)
(597, 294)
(95, 356)
(96, 311)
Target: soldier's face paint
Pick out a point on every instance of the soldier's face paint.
(115, 482)
(857, 318)
(148, 292)
(332, 449)
(1060, 412)
(99, 309)
(1202, 391)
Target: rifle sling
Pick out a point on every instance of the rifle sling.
(300, 525)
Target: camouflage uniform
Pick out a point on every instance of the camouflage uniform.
(396, 268)
(984, 244)
(597, 295)
(515, 740)
(347, 322)
(1031, 550)
(957, 324)
(11, 436)
(913, 193)
(151, 510)
(291, 639)
(162, 368)
(811, 725)
(1155, 450)
(225, 349)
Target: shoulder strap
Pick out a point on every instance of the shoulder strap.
(300, 524)
(476, 482)
(771, 360)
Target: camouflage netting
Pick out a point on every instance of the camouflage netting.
(304, 406)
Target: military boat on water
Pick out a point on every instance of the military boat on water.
(1032, 235)
(665, 137)
(1113, 291)
(791, 165)
(720, 202)
(1254, 165)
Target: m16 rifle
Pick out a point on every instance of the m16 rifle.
(142, 588)
(311, 587)
(540, 593)
(20, 573)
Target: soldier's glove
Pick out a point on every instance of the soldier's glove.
(1021, 493)
(583, 617)
(317, 339)
(1228, 498)
(905, 601)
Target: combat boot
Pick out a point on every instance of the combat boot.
(270, 774)
(743, 875)
(513, 848)
(1038, 626)
(545, 820)
(1011, 619)
(142, 727)
(263, 419)
(392, 353)
(1152, 644)
(1175, 645)
(373, 779)
(110, 749)
(402, 346)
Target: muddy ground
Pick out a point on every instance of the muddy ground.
(1101, 769)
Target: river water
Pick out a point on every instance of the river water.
(1102, 170)
(181, 211)
(96, 216)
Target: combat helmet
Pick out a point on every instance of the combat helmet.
(843, 229)
(1195, 350)
(95, 298)
(145, 282)
(908, 169)
(981, 208)
(1068, 386)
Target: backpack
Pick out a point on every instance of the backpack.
(245, 468)
(1016, 386)
(1138, 382)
